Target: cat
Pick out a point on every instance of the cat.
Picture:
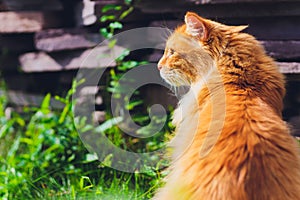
(230, 140)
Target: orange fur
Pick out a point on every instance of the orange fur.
(254, 157)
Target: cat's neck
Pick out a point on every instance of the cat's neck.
(244, 66)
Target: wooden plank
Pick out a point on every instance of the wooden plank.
(65, 39)
(31, 5)
(285, 67)
(289, 67)
(280, 50)
(250, 10)
(85, 13)
(197, 2)
(19, 22)
(92, 58)
(283, 50)
(23, 99)
(16, 42)
(265, 28)
(223, 10)
(19, 99)
(269, 28)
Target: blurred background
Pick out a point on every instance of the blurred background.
(42, 46)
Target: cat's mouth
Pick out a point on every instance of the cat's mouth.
(173, 77)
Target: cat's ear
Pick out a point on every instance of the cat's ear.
(238, 28)
(195, 25)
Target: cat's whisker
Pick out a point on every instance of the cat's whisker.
(166, 34)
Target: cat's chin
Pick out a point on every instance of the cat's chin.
(172, 82)
(174, 79)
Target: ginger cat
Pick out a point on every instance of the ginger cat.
(230, 140)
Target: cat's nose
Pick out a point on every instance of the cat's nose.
(159, 66)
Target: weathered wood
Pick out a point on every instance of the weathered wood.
(223, 10)
(232, 1)
(288, 51)
(30, 5)
(289, 67)
(285, 67)
(22, 99)
(65, 39)
(269, 28)
(101, 56)
(18, 22)
(16, 42)
(85, 13)
(284, 50)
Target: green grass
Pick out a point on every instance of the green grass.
(42, 157)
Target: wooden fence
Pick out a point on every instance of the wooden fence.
(42, 43)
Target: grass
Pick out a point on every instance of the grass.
(42, 157)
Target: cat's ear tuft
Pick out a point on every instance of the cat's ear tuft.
(195, 25)
(239, 28)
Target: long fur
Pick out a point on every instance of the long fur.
(252, 155)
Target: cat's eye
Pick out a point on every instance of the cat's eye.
(209, 41)
(170, 52)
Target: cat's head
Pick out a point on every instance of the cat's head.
(193, 48)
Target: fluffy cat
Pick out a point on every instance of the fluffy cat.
(230, 140)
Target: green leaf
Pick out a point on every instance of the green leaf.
(20, 121)
(108, 124)
(105, 33)
(112, 43)
(107, 160)
(125, 53)
(13, 149)
(105, 18)
(133, 104)
(64, 113)
(141, 119)
(46, 103)
(128, 65)
(72, 157)
(27, 141)
(110, 7)
(58, 98)
(82, 181)
(115, 25)
(52, 148)
(5, 128)
(73, 192)
(126, 13)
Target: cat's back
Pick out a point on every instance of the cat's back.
(254, 158)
